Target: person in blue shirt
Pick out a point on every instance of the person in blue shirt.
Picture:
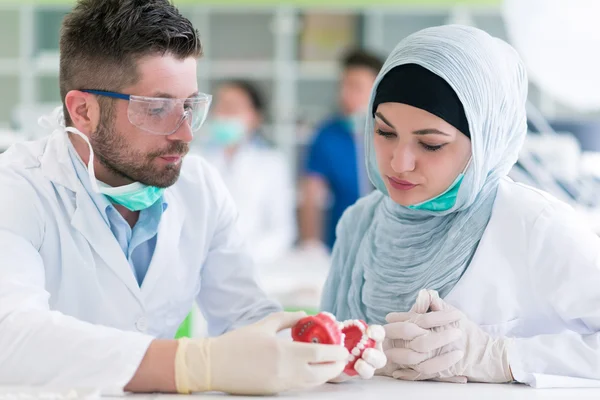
(334, 169)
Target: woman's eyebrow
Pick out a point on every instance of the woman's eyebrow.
(430, 132)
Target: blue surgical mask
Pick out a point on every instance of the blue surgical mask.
(135, 197)
(446, 200)
(226, 131)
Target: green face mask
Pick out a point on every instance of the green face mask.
(226, 132)
(444, 201)
(135, 196)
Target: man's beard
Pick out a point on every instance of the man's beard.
(114, 153)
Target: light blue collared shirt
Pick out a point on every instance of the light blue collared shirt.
(138, 244)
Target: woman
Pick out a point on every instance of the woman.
(519, 275)
(252, 171)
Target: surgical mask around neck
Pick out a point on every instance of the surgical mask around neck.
(446, 200)
(136, 196)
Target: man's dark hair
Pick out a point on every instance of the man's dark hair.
(102, 40)
(357, 58)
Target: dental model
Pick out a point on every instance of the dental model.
(323, 328)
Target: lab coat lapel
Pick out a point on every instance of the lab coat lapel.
(57, 166)
(89, 222)
(166, 254)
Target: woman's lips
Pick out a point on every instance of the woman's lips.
(401, 184)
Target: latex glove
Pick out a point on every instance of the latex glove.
(253, 361)
(484, 358)
(414, 337)
(371, 359)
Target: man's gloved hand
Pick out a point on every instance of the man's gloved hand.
(253, 361)
(442, 354)
(371, 359)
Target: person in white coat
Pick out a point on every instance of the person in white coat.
(511, 273)
(108, 235)
(257, 175)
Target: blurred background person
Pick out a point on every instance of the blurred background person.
(335, 175)
(256, 174)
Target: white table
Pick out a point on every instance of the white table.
(387, 388)
(382, 388)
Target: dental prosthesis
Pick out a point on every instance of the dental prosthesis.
(323, 328)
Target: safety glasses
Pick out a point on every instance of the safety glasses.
(162, 116)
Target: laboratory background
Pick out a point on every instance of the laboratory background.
(287, 117)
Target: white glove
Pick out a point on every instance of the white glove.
(482, 358)
(371, 359)
(413, 337)
(253, 361)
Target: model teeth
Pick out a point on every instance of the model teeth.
(329, 315)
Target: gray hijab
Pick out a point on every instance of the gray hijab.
(385, 253)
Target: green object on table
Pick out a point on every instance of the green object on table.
(185, 329)
(309, 311)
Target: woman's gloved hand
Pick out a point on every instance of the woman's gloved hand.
(253, 361)
(454, 347)
(371, 359)
(414, 337)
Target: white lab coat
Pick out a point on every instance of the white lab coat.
(536, 276)
(260, 182)
(71, 311)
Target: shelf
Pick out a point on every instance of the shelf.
(10, 66)
(232, 36)
(318, 70)
(266, 42)
(10, 26)
(261, 70)
(47, 63)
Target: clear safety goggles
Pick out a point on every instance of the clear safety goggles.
(162, 116)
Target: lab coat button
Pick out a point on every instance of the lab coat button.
(142, 324)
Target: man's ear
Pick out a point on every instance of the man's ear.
(84, 110)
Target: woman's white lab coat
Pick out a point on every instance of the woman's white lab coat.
(262, 188)
(71, 310)
(536, 276)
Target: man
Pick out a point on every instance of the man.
(108, 236)
(334, 164)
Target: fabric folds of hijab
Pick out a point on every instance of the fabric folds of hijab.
(386, 253)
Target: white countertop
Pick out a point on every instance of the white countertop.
(376, 389)
(387, 388)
